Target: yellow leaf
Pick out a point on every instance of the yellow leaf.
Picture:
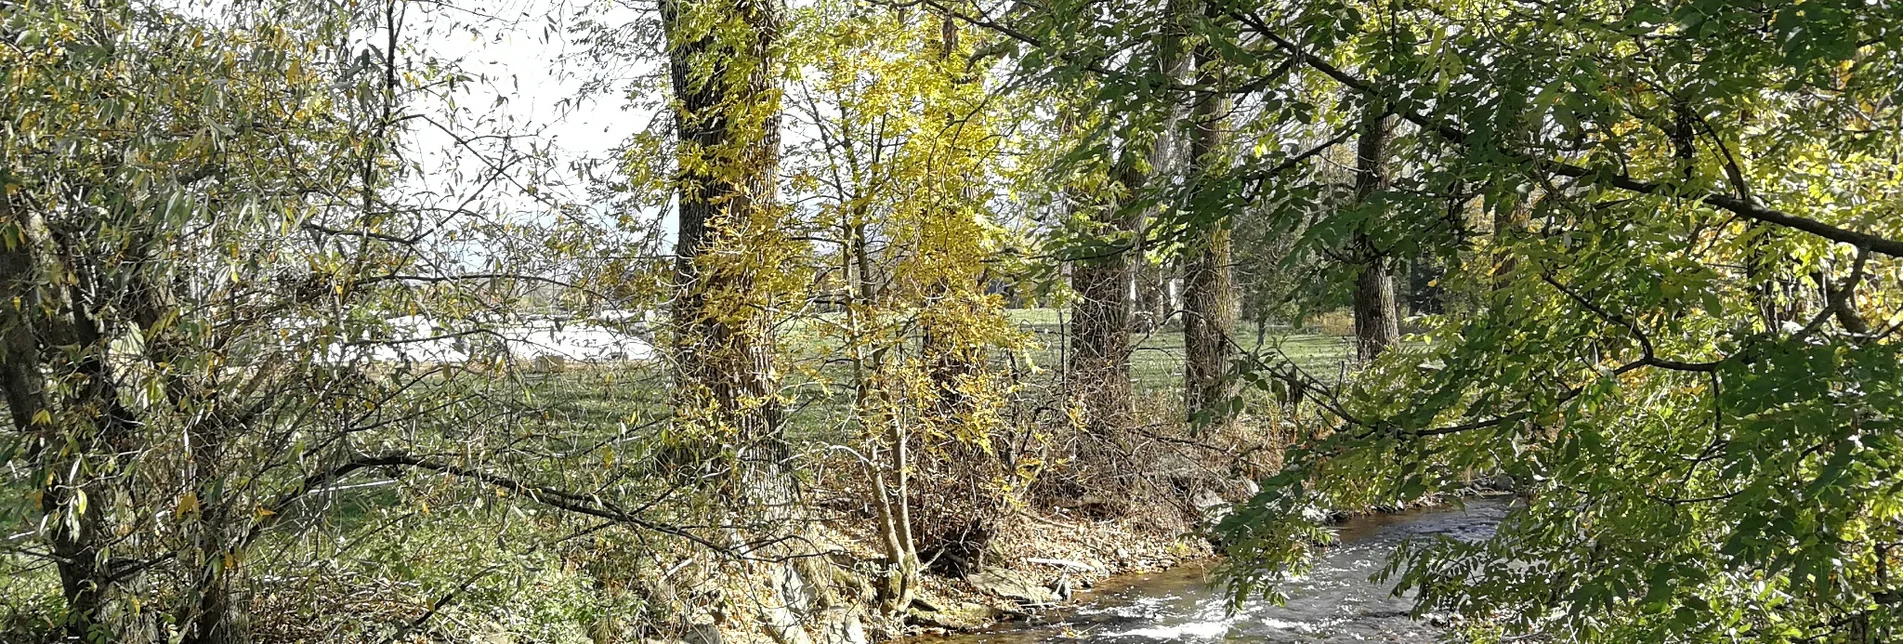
(187, 504)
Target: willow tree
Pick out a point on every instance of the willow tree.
(157, 159)
(181, 192)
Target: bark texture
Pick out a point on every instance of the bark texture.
(1210, 306)
(1100, 329)
(1377, 325)
(52, 330)
(1377, 318)
(728, 121)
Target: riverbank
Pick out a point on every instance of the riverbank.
(1055, 559)
(1141, 567)
(1334, 602)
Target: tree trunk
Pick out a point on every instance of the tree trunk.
(20, 376)
(73, 445)
(1209, 318)
(1100, 325)
(728, 126)
(1376, 326)
(1152, 293)
(79, 489)
(1209, 294)
(1107, 287)
(887, 456)
(1377, 319)
(1841, 301)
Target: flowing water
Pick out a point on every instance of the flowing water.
(1335, 602)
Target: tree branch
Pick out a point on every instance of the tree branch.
(590, 505)
(1604, 178)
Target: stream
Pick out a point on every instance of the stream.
(1335, 602)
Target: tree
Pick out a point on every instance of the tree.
(902, 162)
(1377, 316)
(1116, 286)
(210, 221)
(148, 154)
(1209, 292)
(1100, 316)
(1696, 468)
(724, 61)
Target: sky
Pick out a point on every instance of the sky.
(533, 69)
(533, 57)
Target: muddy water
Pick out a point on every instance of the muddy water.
(1334, 603)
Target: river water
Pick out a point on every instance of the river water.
(1335, 602)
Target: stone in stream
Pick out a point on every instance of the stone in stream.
(1210, 506)
(956, 616)
(1013, 586)
(847, 630)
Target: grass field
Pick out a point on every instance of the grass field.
(1156, 363)
(818, 380)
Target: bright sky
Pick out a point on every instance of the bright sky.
(532, 72)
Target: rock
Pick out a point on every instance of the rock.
(785, 609)
(848, 630)
(959, 616)
(1210, 505)
(926, 604)
(1012, 586)
(799, 597)
(702, 634)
